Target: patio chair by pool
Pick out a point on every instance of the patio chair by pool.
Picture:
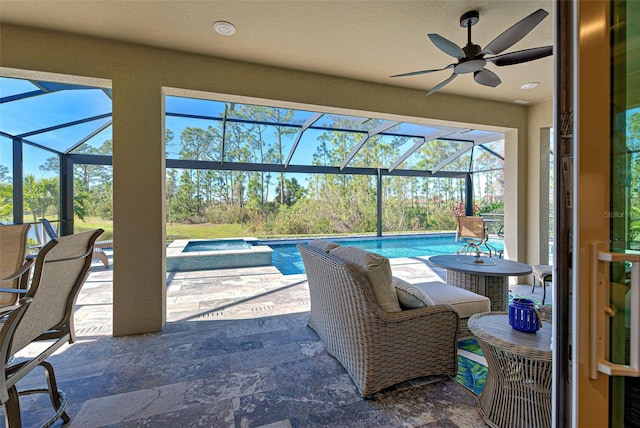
(98, 252)
(472, 231)
(45, 316)
(542, 274)
(14, 267)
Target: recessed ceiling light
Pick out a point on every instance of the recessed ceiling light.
(521, 102)
(530, 85)
(225, 28)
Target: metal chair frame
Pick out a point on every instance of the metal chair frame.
(40, 317)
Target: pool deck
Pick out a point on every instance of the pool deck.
(238, 293)
(235, 352)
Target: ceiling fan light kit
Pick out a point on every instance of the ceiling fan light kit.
(472, 58)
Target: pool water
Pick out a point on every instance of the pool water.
(287, 259)
(216, 245)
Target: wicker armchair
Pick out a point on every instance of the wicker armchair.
(377, 348)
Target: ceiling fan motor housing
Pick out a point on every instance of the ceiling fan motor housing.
(472, 60)
(471, 50)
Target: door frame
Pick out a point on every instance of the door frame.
(591, 187)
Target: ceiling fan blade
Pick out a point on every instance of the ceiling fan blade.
(446, 46)
(519, 57)
(413, 73)
(487, 78)
(515, 33)
(440, 85)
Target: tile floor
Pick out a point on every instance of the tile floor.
(235, 352)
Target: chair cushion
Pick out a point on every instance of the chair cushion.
(465, 302)
(542, 272)
(409, 296)
(322, 245)
(377, 270)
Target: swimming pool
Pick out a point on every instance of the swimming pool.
(287, 259)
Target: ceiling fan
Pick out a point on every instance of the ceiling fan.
(472, 58)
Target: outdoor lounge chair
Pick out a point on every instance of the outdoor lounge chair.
(472, 231)
(378, 348)
(43, 315)
(14, 267)
(98, 252)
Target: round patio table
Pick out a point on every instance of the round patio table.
(489, 278)
(517, 392)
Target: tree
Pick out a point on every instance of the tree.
(39, 195)
(4, 174)
(51, 164)
(291, 192)
(254, 193)
(633, 153)
(6, 201)
(196, 144)
(186, 202)
(330, 203)
(81, 202)
(171, 191)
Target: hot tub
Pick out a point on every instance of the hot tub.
(185, 255)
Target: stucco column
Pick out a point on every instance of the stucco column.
(139, 274)
(539, 120)
(515, 196)
(545, 211)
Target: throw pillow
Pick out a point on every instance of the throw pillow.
(377, 270)
(410, 296)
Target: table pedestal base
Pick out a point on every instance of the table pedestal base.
(517, 392)
(496, 288)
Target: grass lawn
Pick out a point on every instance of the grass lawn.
(199, 231)
(174, 231)
(92, 224)
(204, 231)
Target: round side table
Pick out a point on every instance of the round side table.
(517, 392)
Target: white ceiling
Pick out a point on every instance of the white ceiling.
(363, 40)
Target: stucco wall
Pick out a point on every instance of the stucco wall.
(140, 75)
